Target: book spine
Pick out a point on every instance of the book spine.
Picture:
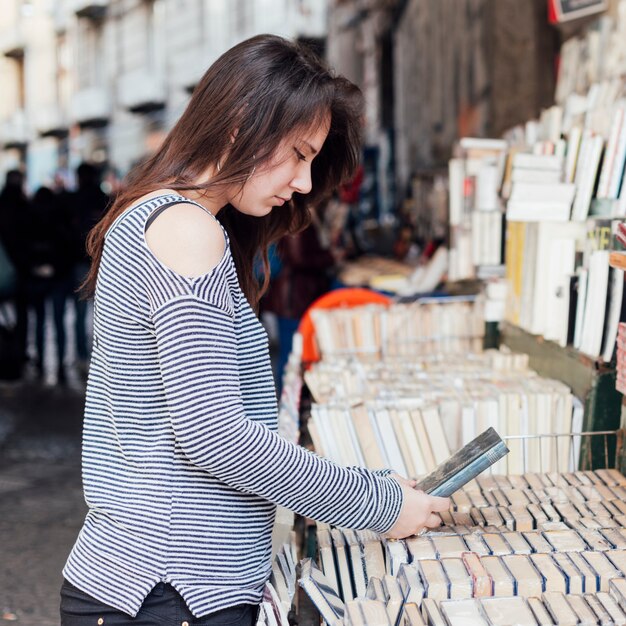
(479, 465)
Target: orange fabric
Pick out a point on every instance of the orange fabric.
(344, 298)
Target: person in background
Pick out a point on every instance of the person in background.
(14, 207)
(307, 266)
(87, 206)
(49, 262)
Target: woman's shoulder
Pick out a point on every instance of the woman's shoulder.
(186, 238)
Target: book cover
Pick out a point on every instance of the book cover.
(465, 464)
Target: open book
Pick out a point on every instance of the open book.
(464, 465)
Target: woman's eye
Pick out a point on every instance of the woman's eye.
(299, 154)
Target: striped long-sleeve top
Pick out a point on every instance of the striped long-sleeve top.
(182, 464)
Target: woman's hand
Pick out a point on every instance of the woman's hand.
(419, 510)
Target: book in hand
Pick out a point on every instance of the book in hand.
(464, 465)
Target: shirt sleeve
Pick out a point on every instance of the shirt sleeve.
(198, 357)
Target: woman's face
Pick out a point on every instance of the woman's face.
(286, 173)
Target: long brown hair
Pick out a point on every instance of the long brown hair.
(262, 89)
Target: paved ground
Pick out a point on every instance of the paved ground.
(41, 503)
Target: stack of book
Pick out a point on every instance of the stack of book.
(522, 549)
(280, 589)
(409, 414)
(428, 326)
(475, 208)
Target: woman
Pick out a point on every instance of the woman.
(182, 465)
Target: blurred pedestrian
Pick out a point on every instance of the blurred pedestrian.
(182, 463)
(14, 206)
(307, 265)
(87, 206)
(49, 262)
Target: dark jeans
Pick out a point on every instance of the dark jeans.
(163, 606)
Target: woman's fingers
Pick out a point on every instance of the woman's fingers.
(433, 521)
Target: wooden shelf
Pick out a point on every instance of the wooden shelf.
(618, 260)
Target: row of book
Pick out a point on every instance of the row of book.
(452, 325)
(409, 415)
(573, 543)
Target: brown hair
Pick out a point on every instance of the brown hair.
(264, 89)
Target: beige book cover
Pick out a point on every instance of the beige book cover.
(405, 443)
(367, 437)
(601, 565)
(559, 608)
(420, 548)
(574, 577)
(618, 558)
(461, 501)
(410, 584)
(460, 579)
(435, 580)
(528, 579)
(448, 546)
(503, 582)
(540, 612)
(374, 556)
(537, 541)
(595, 540)
(589, 576)
(505, 514)
(423, 440)
(518, 544)
(476, 544)
(617, 589)
(431, 613)
(436, 435)
(375, 589)
(396, 554)
(512, 611)
(585, 615)
(565, 540)
(357, 562)
(602, 616)
(496, 543)
(612, 608)
(341, 559)
(411, 615)
(465, 612)
(482, 583)
(327, 558)
(554, 578)
(393, 598)
(523, 519)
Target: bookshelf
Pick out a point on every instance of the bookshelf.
(591, 380)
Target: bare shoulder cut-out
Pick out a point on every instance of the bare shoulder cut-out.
(187, 239)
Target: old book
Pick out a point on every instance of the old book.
(410, 584)
(390, 441)
(528, 580)
(397, 554)
(393, 598)
(565, 540)
(554, 579)
(517, 542)
(432, 614)
(615, 538)
(492, 516)
(460, 580)
(540, 612)
(617, 589)
(367, 436)
(373, 554)
(585, 615)
(595, 540)
(523, 519)
(505, 514)
(375, 589)
(411, 615)
(461, 501)
(482, 583)
(476, 544)
(357, 562)
(465, 464)
(322, 594)
(436, 434)
(497, 544)
(367, 612)
(575, 582)
(559, 608)
(503, 581)
(341, 560)
(602, 615)
(618, 558)
(604, 569)
(425, 449)
(327, 558)
(463, 613)
(421, 548)
(508, 611)
(449, 546)
(436, 582)
(537, 541)
(612, 608)
(590, 578)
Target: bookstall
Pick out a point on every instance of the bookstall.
(535, 217)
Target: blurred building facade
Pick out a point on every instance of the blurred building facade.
(104, 80)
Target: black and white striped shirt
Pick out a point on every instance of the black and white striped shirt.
(182, 465)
